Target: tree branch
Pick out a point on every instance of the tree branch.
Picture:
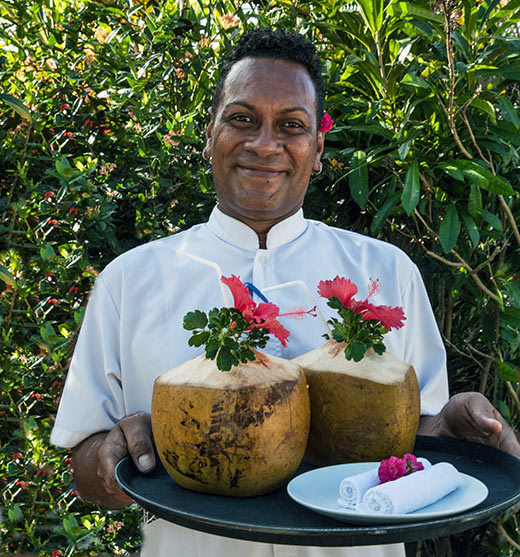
(510, 217)
(509, 539)
(448, 28)
(514, 395)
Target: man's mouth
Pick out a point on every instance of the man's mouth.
(262, 172)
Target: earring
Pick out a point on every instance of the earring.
(320, 168)
(206, 155)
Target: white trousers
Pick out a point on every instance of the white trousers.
(163, 539)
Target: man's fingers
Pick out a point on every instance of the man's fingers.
(137, 430)
(110, 453)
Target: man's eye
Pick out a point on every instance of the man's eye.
(293, 125)
(241, 118)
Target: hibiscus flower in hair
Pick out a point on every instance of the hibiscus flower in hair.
(231, 334)
(362, 324)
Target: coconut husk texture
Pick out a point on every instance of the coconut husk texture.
(239, 433)
(360, 411)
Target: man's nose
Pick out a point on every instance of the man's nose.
(265, 140)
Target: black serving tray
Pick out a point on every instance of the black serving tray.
(276, 518)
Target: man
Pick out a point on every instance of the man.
(264, 142)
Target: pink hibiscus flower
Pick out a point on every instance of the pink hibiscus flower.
(326, 123)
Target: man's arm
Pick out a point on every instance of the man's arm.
(472, 417)
(95, 458)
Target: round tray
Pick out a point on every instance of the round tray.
(276, 518)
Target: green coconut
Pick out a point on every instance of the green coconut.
(239, 433)
(360, 411)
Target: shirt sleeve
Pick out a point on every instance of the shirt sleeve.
(92, 398)
(419, 343)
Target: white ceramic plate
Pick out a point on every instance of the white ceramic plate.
(318, 490)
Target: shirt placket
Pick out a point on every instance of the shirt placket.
(263, 277)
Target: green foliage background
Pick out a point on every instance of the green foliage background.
(103, 107)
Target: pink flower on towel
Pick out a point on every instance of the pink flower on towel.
(394, 468)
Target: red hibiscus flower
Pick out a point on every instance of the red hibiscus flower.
(345, 290)
(340, 288)
(390, 317)
(262, 316)
(362, 324)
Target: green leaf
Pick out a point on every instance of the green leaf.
(379, 220)
(475, 201)
(510, 111)
(503, 408)
(47, 252)
(398, 9)
(412, 188)
(355, 351)
(195, 320)
(212, 348)
(63, 167)
(226, 359)
(7, 276)
(17, 105)
(15, 514)
(478, 174)
(452, 170)
(416, 81)
(358, 179)
(199, 339)
(507, 372)
(449, 229)
(486, 107)
(512, 316)
(513, 293)
(492, 220)
(471, 229)
(245, 354)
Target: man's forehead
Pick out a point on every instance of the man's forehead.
(282, 80)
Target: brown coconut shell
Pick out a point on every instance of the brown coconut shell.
(360, 411)
(239, 433)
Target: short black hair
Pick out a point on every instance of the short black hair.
(280, 45)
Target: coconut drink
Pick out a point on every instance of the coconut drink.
(232, 421)
(365, 402)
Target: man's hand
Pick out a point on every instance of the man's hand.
(94, 459)
(472, 417)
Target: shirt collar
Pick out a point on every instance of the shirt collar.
(236, 232)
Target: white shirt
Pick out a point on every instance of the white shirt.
(132, 330)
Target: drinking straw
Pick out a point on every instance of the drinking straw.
(218, 270)
(306, 290)
(214, 266)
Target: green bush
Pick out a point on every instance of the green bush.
(102, 116)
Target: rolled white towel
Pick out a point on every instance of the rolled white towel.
(414, 491)
(352, 489)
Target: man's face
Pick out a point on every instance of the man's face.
(263, 139)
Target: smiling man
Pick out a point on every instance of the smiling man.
(264, 141)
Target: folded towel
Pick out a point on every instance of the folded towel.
(414, 491)
(352, 489)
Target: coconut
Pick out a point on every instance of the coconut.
(241, 432)
(360, 411)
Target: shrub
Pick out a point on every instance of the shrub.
(102, 117)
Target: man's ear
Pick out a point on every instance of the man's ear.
(320, 144)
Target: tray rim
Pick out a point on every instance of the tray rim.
(337, 533)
